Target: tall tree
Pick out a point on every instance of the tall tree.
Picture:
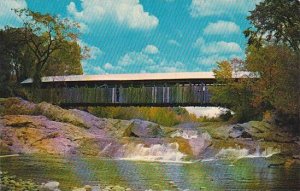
(44, 35)
(276, 21)
(15, 60)
(276, 89)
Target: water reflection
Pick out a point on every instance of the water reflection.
(244, 174)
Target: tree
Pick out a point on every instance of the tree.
(44, 35)
(15, 60)
(233, 94)
(276, 89)
(276, 30)
(276, 22)
(66, 61)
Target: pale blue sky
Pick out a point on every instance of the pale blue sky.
(134, 36)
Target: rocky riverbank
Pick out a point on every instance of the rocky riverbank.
(9, 182)
(27, 128)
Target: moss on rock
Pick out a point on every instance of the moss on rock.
(56, 113)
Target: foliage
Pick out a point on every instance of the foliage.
(44, 46)
(276, 22)
(44, 35)
(232, 94)
(14, 60)
(226, 116)
(8, 183)
(273, 56)
(160, 115)
(65, 61)
(278, 68)
(274, 50)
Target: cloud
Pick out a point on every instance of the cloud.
(108, 66)
(201, 8)
(148, 61)
(7, 16)
(214, 51)
(94, 51)
(151, 49)
(222, 47)
(210, 60)
(129, 13)
(167, 66)
(219, 47)
(136, 58)
(221, 28)
(92, 68)
(173, 42)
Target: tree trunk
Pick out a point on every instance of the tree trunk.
(37, 77)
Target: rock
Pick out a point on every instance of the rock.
(88, 119)
(143, 129)
(260, 126)
(87, 187)
(296, 157)
(53, 185)
(79, 189)
(56, 113)
(96, 188)
(238, 127)
(276, 160)
(16, 106)
(240, 131)
(246, 135)
(235, 134)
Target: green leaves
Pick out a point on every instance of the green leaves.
(275, 21)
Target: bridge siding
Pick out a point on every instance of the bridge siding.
(169, 95)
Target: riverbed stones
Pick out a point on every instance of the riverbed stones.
(143, 129)
(51, 186)
(116, 188)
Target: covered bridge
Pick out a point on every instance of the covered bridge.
(144, 89)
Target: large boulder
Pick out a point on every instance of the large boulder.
(38, 134)
(88, 120)
(57, 113)
(143, 129)
(240, 131)
(16, 106)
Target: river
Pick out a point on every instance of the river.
(242, 174)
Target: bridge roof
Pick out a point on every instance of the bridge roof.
(132, 77)
(128, 77)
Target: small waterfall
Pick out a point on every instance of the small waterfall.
(186, 134)
(238, 153)
(156, 152)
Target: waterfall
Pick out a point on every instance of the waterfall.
(238, 153)
(155, 152)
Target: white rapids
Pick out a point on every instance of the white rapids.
(239, 153)
(155, 152)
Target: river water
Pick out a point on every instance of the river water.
(242, 174)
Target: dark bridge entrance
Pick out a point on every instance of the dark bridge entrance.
(166, 89)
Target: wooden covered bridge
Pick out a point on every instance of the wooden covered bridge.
(155, 89)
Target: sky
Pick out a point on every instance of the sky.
(149, 36)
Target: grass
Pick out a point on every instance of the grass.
(166, 116)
